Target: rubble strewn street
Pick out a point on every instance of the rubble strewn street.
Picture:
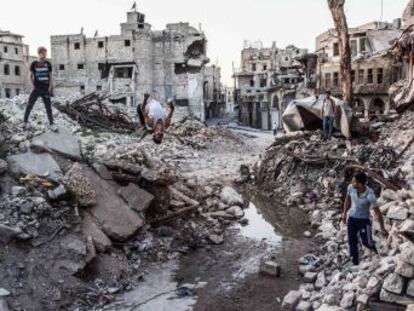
(313, 174)
(60, 190)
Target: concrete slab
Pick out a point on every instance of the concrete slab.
(62, 143)
(137, 198)
(40, 164)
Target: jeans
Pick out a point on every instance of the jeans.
(327, 127)
(36, 93)
(363, 228)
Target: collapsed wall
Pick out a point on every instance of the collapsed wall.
(313, 175)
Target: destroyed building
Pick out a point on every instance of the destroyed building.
(373, 70)
(214, 101)
(14, 64)
(168, 63)
(267, 80)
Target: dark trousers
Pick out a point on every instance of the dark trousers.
(141, 115)
(36, 93)
(361, 227)
(327, 127)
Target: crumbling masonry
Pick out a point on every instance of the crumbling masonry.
(170, 63)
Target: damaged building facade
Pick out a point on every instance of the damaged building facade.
(213, 92)
(14, 65)
(170, 63)
(267, 80)
(373, 69)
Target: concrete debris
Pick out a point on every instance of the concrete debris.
(231, 197)
(80, 186)
(137, 199)
(291, 300)
(61, 142)
(41, 164)
(271, 268)
(3, 166)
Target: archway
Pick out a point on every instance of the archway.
(377, 107)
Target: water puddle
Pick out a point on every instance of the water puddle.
(272, 221)
(258, 228)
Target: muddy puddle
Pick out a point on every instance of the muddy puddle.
(226, 277)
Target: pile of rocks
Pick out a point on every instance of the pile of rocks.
(331, 282)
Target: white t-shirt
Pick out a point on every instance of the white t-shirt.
(328, 107)
(155, 111)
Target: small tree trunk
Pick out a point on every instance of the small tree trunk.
(337, 10)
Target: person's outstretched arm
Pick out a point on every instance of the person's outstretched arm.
(170, 114)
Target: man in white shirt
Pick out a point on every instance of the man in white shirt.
(154, 117)
(328, 113)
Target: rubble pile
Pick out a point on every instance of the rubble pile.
(92, 206)
(313, 175)
(95, 111)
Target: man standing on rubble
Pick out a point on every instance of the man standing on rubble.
(328, 113)
(155, 117)
(41, 79)
(360, 199)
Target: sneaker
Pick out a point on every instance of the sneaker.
(53, 128)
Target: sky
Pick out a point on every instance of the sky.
(227, 23)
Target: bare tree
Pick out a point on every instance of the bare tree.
(337, 10)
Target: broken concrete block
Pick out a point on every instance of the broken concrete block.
(231, 197)
(407, 229)
(410, 288)
(291, 300)
(90, 250)
(61, 142)
(393, 283)
(404, 269)
(102, 171)
(37, 164)
(397, 212)
(310, 277)
(347, 300)
(79, 185)
(407, 255)
(236, 211)
(320, 280)
(270, 268)
(137, 198)
(8, 233)
(3, 304)
(303, 306)
(393, 298)
(4, 292)
(117, 220)
(90, 228)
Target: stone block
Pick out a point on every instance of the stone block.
(137, 198)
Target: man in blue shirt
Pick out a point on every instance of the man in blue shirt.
(360, 199)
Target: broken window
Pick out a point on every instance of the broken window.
(5, 49)
(6, 69)
(82, 89)
(195, 49)
(361, 73)
(127, 42)
(252, 83)
(180, 68)
(17, 70)
(354, 48)
(362, 44)
(263, 82)
(99, 87)
(253, 67)
(17, 92)
(76, 46)
(327, 80)
(264, 67)
(353, 76)
(16, 50)
(335, 79)
(123, 72)
(80, 66)
(8, 93)
(380, 75)
(100, 44)
(336, 49)
(370, 76)
(61, 67)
